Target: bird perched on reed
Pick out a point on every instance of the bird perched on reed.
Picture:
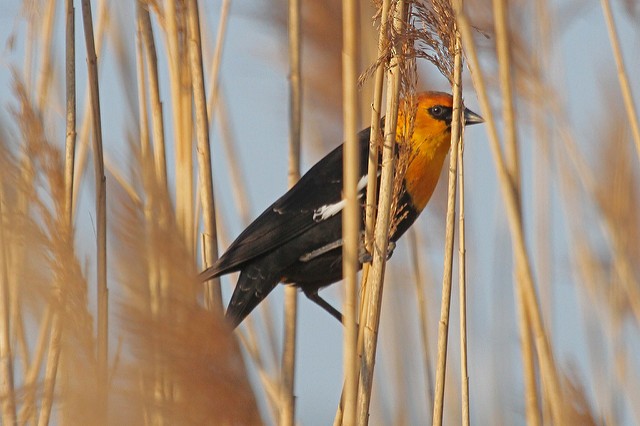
(298, 239)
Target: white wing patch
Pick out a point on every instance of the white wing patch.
(330, 210)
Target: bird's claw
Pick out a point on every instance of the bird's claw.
(365, 257)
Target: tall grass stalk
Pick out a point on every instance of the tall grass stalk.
(375, 141)
(7, 389)
(86, 126)
(216, 62)
(421, 283)
(462, 286)
(462, 255)
(213, 294)
(545, 356)
(157, 119)
(101, 210)
(445, 305)
(623, 79)
(351, 213)
(501, 13)
(287, 409)
(46, 44)
(70, 85)
(372, 291)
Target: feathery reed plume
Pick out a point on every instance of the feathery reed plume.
(190, 348)
(64, 289)
(429, 35)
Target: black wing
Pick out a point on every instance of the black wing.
(292, 214)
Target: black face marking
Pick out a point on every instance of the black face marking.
(442, 113)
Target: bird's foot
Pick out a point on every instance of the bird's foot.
(365, 257)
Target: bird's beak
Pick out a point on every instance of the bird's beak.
(471, 117)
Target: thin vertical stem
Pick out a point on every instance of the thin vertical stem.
(372, 293)
(525, 277)
(27, 411)
(157, 120)
(424, 318)
(45, 78)
(500, 12)
(351, 213)
(623, 79)
(375, 140)
(445, 305)
(7, 390)
(217, 57)
(287, 409)
(374, 137)
(462, 286)
(213, 296)
(70, 83)
(462, 270)
(86, 124)
(51, 369)
(101, 208)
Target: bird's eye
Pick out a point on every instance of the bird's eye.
(437, 111)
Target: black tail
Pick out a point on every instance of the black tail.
(253, 286)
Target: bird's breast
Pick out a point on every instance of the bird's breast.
(423, 172)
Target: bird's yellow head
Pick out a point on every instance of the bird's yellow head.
(428, 143)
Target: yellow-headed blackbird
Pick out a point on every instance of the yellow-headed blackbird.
(298, 239)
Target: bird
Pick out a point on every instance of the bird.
(298, 239)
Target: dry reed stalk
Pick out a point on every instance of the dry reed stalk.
(590, 273)
(238, 181)
(214, 78)
(201, 379)
(375, 138)
(501, 12)
(622, 265)
(372, 293)
(30, 42)
(249, 340)
(143, 118)
(270, 385)
(157, 120)
(462, 285)
(28, 410)
(351, 213)
(238, 187)
(86, 125)
(545, 356)
(623, 79)
(51, 370)
(101, 210)
(462, 274)
(420, 283)
(542, 199)
(287, 397)
(213, 297)
(181, 103)
(445, 305)
(7, 390)
(150, 178)
(541, 126)
(46, 68)
(375, 141)
(70, 84)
